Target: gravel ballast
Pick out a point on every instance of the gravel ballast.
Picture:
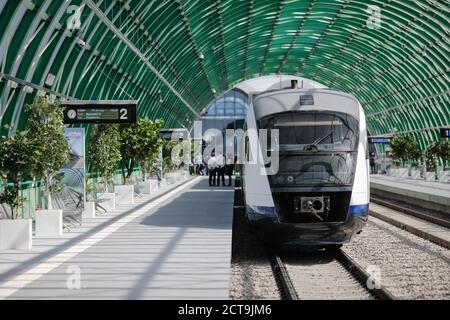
(410, 267)
(251, 273)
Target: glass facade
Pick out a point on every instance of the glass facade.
(226, 112)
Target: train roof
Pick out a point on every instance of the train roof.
(287, 100)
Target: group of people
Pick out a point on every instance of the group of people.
(218, 167)
(197, 167)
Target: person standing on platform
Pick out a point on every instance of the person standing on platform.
(191, 167)
(372, 163)
(229, 168)
(220, 166)
(198, 164)
(212, 170)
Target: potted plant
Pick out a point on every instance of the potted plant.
(403, 147)
(415, 156)
(45, 129)
(89, 207)
(168, 165)
(431, 163)
(442, 150)
(16, 159)
(150, 162)
(103, 157)
(444, 154)
(150, 167)
(136, 143)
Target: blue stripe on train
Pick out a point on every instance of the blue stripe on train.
(359, 210)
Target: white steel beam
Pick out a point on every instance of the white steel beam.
(144, 59)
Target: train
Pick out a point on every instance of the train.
(318, 195)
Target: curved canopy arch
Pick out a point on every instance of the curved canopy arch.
(397, 67)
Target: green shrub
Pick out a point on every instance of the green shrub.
(138, 144)
(104, 150)
(45, 129)
(17, 158)
(431, 155)
(443, 151)
(404, 148)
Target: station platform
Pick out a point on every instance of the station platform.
(426, 194)
(175, 244)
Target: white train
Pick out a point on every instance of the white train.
(320, 193)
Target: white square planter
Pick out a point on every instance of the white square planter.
(392, 172)
(444, 176)
(403, 172)
(430, 176)
(171, 178)
(154, 186)
(144, 187)
(148, 187)
(124, 194)
(48, 223)
(108, 201)
(16, 234)
(89, 210)
(415, 174)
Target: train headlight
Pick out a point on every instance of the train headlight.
(280, 180)
(290, 179)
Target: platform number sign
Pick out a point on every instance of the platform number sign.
(445, 133)
(123, 113)
(380, 140)
(79, 112)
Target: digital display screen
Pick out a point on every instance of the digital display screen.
(445, 133)
(79, 112)
(307, 100)
(98, 114)
(379, 140)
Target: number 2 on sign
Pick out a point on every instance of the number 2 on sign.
(123, 114)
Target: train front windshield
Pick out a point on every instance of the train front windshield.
(316, 148)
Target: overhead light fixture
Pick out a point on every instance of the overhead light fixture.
(12, 84)
(49, 80)
(27, 89)
(79, 40)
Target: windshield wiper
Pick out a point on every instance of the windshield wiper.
(313, 146)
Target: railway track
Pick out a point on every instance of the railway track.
(409, 266)
(430, 226)
(421, 214)
(324, 275)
